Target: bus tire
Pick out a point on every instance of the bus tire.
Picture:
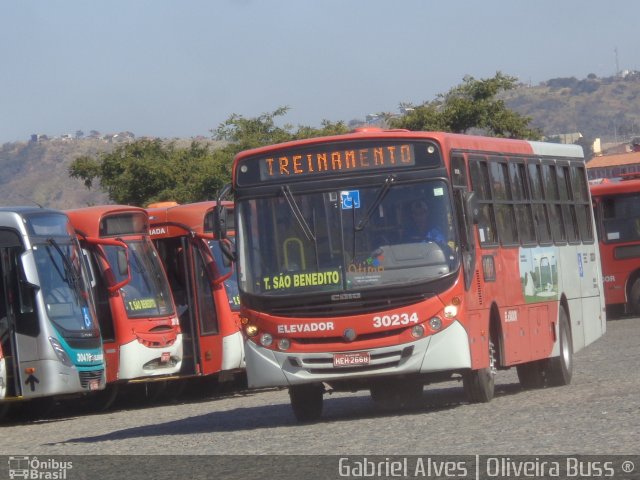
(306, 401)
(531, 375)
(479, 385)
(559, 370)
(634, 297)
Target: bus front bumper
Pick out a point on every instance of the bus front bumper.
(443, 351)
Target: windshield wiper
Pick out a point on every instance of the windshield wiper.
(384, 189)
(297, 214)
(70, 276)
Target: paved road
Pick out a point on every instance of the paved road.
(599, 413)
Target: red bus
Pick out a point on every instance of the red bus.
(135, 309)
(617, 211)
(387, 260)
(204, 287)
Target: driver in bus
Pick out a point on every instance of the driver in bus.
(422, 227)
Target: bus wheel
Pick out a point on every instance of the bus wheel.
(531, 375)
(479, 385)
(306, 401)
(634, 298)
(559, 370)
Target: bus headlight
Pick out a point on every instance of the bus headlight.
(284, 344)
(417, 331)
(435, 323)
(450, 311)
(251, 330)
(60, 353)
(266, 339)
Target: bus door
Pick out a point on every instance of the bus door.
(101, 295)
(18, 318)
(175, 255)
(210, 341)
(190, 283)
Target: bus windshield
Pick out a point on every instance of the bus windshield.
(376, 236)
(231, 283)
(147, 295)
(63, 284)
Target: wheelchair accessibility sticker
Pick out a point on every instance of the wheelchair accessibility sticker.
(350, 199)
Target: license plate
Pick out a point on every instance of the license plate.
(354, 359)
(94, 384)
(165, 357)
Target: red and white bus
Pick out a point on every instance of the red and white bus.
(135, 309)
(204, 287)
(617, 208)
(344, 284)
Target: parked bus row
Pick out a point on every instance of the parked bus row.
(102, 298)
(377, 260)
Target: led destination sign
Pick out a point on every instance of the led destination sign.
(329, 159)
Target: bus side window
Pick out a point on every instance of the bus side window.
(501, 195)
(542, 228)
(480, 183)
(552, 197)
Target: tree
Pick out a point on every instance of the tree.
(146, 171)
(472, 105)
(245, 133)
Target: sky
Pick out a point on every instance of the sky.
(179, 68)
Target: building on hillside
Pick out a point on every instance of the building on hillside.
(611, 166)
(38, 137)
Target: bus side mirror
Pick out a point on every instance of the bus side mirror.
(220, 221)
(471, 205)
(228, 252)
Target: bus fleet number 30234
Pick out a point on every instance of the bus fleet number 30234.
(395, 320)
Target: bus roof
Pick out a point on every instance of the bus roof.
(192, 215)
(13, 217)
(87, 219)
(448, 142)
(26, 210)
(615, 188)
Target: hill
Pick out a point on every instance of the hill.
(37, 172)
(605, 108)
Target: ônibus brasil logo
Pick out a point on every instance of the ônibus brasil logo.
(40, 469)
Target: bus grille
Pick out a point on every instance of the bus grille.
(87, 377)
(379, 361)
(324, 309)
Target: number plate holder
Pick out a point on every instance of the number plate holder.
(351, 359)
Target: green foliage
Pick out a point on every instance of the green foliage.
(245, 133)
(147, 171)
(472, 105)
